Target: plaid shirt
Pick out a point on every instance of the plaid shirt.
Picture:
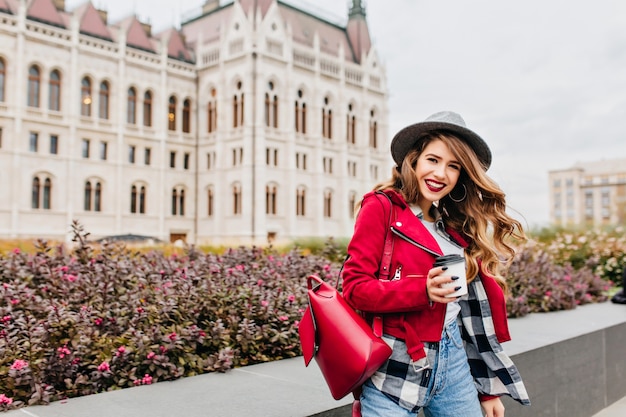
(493, 371)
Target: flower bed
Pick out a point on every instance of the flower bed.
(100, 318)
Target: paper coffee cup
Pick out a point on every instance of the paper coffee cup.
(456, 267)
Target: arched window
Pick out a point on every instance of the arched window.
(301, 201)
(210, 201)
(171, 114)
(351, 125)
(131, 106)
(351, 204)
(271, 107)
(41, 195)
(373, 130)
(327, 120)
(147, 109)
(3, 74)
(138, 199)
(187, 116)
(300, 113)
(236, 199)
(85, 97)
(87, 203)
(93, 196)
(54, 93)
(47, 194)
(238, 102)
(328, 204)
(178, 201)
(103, 102)
(34, 85)
(212, 112)
(270, 199)
(36, 190)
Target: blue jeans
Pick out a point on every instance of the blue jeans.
(451, 390)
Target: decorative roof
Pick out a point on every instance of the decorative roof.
(176, 47)
(91, 22)
(45, 11)
(7, 6)
(136, 34)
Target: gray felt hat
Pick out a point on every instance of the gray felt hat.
(409, 137)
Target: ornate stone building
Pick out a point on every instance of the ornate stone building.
(255, 121)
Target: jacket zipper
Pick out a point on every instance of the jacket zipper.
(398, 273)
(413, 242)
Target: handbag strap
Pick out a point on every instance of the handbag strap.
(385, 262)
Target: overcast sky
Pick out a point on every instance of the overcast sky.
(542, 81)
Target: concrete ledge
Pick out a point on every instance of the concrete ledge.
(573, 364)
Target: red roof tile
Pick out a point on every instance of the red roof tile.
(135, 34)
(91, 22)
(176, 47)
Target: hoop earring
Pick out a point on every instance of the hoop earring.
(458, 200)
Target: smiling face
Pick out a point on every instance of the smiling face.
(437, 172)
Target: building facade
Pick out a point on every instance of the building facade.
(255, 121)
(592, 194)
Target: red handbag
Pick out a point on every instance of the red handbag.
(347, 350)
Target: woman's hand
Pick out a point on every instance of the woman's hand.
(437, 293)
(493, 407)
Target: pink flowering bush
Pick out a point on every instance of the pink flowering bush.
(539, 283)
(95, 319)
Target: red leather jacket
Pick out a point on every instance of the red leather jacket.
(403, 303)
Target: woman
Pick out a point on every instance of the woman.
(446, 358)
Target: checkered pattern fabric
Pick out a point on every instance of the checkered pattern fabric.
(494, 373)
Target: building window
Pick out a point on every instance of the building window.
(54, 144)
(605, 199)
(54, 93)
(85, 97)
(210, 160)
(85, 148)
(374, 172)
(211, 117)
(328, 203)
(103, 150)
(373, 130)
(270, 199)
(41, 195)
(171, 114)
(3, 74)
(147, 109)
(131, 106)
(350, 125)
(352, 169)
(34, 85)
(238, 102)
(186, 160)
(351, 204)
(33, 141)
(301, 202)
(93, 196)
(210, 201)
(271, 156)
(327, 120)
(236, 199)
(131, 154)
(138, 199)
(178, 201)
(301, 161)
(589, 205)
(187, 116)
(300, 113)
(237, 156)
(147, 154)
(172, 159)
(103, 102)
(271, 107)
(327, 163)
